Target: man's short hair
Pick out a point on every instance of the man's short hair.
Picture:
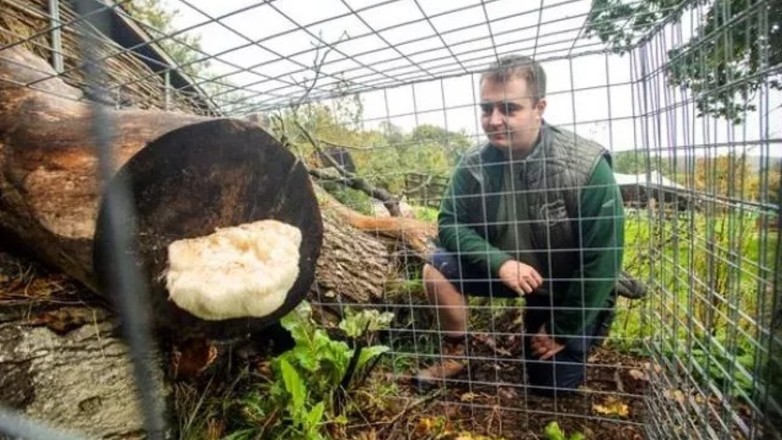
(519, 66)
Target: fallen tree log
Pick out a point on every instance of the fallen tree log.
(188, 175)
(50, 203)
(50, 193)
(45, 374)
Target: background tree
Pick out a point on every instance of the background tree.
(183, 48)
(635, 162)
(724, 69)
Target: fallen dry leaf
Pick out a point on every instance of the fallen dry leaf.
(638, 375)
(612, 407)
(192, 357)
(63, 320)
(468, 397)
(434, 426)
(507, 394)
(677, 395)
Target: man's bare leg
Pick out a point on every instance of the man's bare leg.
(452, 312)
(450, 305)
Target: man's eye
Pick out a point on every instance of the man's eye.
(509, 109)
(486, 108)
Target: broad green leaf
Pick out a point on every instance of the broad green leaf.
(355, 323)
(554, 432)
(315, 415)
(368, 353)
(307, 357)
(294, 385)
(299, 323)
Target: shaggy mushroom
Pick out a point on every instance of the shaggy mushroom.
(240, 271)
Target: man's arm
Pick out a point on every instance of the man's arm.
(601, 228)
(455, 232)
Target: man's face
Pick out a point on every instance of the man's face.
(511, 118)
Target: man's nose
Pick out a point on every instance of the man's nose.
(496, 117)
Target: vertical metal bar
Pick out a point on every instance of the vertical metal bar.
(167, 79)
(126, 286)
(55, 25)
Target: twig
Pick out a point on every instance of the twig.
(618, 380)
(317, 66)
(350, 179)
(423, 184)
(347, 147)
(407, 409)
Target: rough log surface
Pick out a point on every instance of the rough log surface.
(45, 149)
(353, 265)
(79, 380)
(49, 353)
(187, 175)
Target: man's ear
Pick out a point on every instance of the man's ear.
(540, 107)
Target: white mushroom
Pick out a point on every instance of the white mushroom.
(240, 271)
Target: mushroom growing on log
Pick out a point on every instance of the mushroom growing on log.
(214, 183)
(188, 177)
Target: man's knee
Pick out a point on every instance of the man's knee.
(429, 273)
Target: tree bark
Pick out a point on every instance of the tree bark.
(48, 167)
(44, 372)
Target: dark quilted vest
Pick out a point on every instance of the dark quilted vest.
(559, 167)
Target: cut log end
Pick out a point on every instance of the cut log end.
(193, 181)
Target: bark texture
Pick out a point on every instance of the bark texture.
(78, 377)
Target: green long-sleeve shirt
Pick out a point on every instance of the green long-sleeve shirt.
(600, 228)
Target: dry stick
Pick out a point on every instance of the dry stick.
(423, 184)
(317, 66)
(347, 147)
(407, 409)
(350, 179)
(618, 380)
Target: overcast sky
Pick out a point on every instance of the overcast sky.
(276, 44)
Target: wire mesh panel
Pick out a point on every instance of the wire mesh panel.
(562, 215)
(713, 238)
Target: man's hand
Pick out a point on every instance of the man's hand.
(544, 346)
(520, 277)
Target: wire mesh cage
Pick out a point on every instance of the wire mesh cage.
(636, 177)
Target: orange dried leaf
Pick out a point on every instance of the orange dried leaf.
(612, 407)
(638, 375)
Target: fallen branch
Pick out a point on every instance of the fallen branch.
(350, 179)
(347, 147)
(416, 234)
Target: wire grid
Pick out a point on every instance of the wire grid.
(420, 68)
(713, 267)
(136, 68)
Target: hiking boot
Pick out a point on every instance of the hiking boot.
(452, 363)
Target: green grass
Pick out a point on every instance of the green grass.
(707, 301)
